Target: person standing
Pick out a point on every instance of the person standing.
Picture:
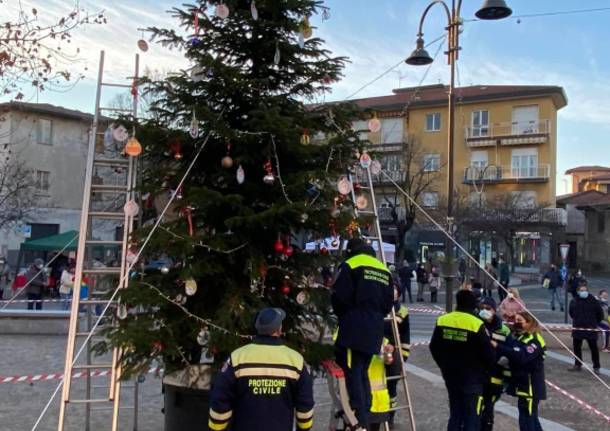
(5, 271)
(66, 286)
(405, 274)
(574, 281)
(462, 350)
(36, 282)
(362, 295)
(526, 359)
(504, 273)
(605, 324)
(263, 385)
(500, 373)
(586, 313)
(552, 281)
(489, 282)
(422, 279)
(435, 284)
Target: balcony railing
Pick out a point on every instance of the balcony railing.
(549, 216)
(510, 133)
(396, 175)
(385, 214)
(503, 174)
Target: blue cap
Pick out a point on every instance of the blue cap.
(269, 320)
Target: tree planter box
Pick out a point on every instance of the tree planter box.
(186, 404)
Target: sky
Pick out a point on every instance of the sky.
(568, 50)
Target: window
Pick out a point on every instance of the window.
(524, 163)
(480, 124)
(45, 131)
(42, 181)
(362, 129)
(478, 159)
(430, 199)
(432, 162)
(391, 130)
(525, 120)
(433, 122)
(391, 162)
(601, 222)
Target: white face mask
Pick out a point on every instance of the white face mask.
(583, 294)
(579, 273)
(486, 314)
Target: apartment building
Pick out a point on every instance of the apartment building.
(505, 146)
(585, 178)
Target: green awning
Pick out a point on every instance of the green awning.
(68, 239)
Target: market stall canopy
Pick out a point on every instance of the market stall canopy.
(68, 239)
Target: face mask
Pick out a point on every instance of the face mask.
(579, 273)
(583, 294)
(518, 327)
(604, 300)
(38, 266)
(486, 314)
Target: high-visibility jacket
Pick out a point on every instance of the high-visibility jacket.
(500, 373)
(361, 298)
(527, 366)
(462, 349)
(404, 330)
(262, 386)
(380, 397)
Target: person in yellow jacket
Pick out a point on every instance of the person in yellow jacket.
(380, 396)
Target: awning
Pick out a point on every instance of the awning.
(68, 239)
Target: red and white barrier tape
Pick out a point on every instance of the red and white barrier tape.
(580, 402)
(425, 310)
(56, 376)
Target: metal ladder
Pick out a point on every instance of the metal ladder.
(79, 326)
(376, 237)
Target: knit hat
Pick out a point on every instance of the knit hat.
(489, 301)
(269, 320)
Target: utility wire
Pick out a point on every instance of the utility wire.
(557, 13)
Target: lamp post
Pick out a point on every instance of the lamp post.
(491, 10)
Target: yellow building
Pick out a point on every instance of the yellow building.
(505, 146)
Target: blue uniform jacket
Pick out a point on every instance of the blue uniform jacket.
(263, 386)
(361, 298)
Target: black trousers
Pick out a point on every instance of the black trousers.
(37, 297)
(355, 365)
(487, 412)
(592, 346)
(464, 408)
(528, 414)
(501, 292)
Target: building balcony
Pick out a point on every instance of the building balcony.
(397, 176)
(520, 216)
(385, 214)
(387, 147)
(511, 133)
(493, 174)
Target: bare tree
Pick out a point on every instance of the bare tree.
(33, 52)
(420, 174)
(146, 94)
(18, 192)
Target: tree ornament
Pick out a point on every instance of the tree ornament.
(277, 56)
(241, 175)
(120, 133)
(131, 257)
(203, 337)
(108, 138)
(133, 147)
(131, 208)
(327, 79)
(305, 138)
(323, 250)
(180, 299)
(227, 161)
(325, 14)
(305, 28)
(179, 192)
(188, 213)
(278, 246)
(344, 186)
(121, 312)
(197, 74)
(222, 11)
(285, 289)
(194, 129)
(157, 347)
(301, 41)
(361, 202)
(142, 45)
(190, 287)
(304, 217)
(302, 298)
(288, 250)
(176, 149)
(365, 160)
(374, 124)
(375, 167)
(164, 269)
(269, 177)
(254, 10)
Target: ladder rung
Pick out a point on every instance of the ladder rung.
(94, 301)
(366, 212)
(92, 366)
(107, 215)
(86, 334)
(108, 270)
(111, 162)
(110, 84)
(90, 401)
(394, 409)
(106, 409)
(103, 242)
(108, 188)
(115, 109)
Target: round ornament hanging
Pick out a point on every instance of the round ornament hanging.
(226, 162)
(122, 312)
(194, 129)
(133, 147)
(375, 167)
(164, 269)
(108, 138)
(131, 257)
(302, 298)
(180, 299)
(254, 10)
(277, 56)
(203, 337)
(143, 45)
(362, 202)
(240, 175)
(222, 11)
(305, 28)
(131, 208)
(305, 138)
(278, 246)
(365, 160)
(344, 186)
(190, 287)
(374, 124)
(120, 133)
(301, 41)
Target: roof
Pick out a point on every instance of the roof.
(433, 95)
(66, 241)
(600, 177)
(603, 203)
(46, 108)
(587, 169)
(580, 198)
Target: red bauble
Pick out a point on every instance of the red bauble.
(285, 289)
(278, 246)
(323, 250)
(289, 251)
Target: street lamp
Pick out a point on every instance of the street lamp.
(491, 10)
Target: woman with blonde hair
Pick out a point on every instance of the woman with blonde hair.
(526, 358)
(511, 305)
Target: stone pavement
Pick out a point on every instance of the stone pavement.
(20, 403)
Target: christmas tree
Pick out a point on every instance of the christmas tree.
(266, 180)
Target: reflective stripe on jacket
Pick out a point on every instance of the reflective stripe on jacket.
(527, 366)
(379, 386)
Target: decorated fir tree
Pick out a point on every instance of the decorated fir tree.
(266, 180)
